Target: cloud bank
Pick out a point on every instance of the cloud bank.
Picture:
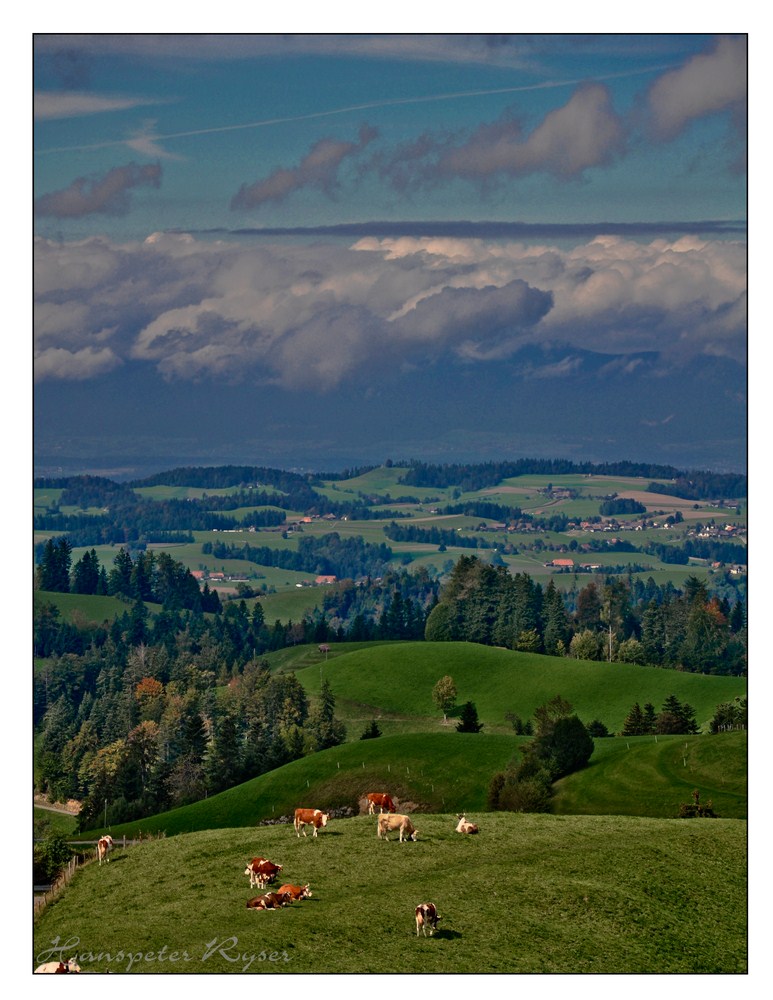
(315, 317)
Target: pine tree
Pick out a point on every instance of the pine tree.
(634, 722)
(469, 719)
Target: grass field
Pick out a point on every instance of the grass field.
(530, 894)
(54, 821)
(396, 681)
(450, 771)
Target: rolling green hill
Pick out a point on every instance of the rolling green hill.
(530, 894)
(451, 771)
(393, 683)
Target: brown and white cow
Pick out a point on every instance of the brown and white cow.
(427, 916)
(262, 871)
(380, 800)
(104, 846)
(465, 827)
(269, 901)
(309, 817)
(386, 822)
(295, 892)
(59, 967)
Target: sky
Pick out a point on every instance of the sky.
(325, 250)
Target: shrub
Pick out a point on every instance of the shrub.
(50, 857)
(566, 749)
(693, 810)
(585, 645)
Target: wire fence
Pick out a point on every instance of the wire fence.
(42, 895)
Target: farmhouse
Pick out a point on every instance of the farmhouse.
(325, 579)
(561, 563)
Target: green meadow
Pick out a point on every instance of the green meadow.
(530, 894)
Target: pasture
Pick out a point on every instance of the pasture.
(529, 894)
(451, 772)
(396, 680)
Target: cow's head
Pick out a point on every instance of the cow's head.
(415, 835)
(305, 892)
(323, 818)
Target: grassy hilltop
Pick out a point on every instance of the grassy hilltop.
(429, 764)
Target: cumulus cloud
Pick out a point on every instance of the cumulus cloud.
(586, 132)
(106, 195)
(318, 169)
(707, 83)
(315, 316)
(59, 363)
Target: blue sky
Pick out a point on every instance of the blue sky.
(330, 249)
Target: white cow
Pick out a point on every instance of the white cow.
(465, 827)
(387, 822)
(104, 846)
(69, 966)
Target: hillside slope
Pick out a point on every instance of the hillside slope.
(530, 894)
(394, 682)
(451, 772)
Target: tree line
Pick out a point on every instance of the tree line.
(475, 476)
(615, 620)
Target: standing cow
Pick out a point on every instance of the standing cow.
(309, 817)
(104, 846)
(262, 871)
(426, 916)
(396, 822)
(381, 801)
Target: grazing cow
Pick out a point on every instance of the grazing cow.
(309, 817)
(262, 871)
(464, 826)
(58, 967)
(427, 916)
(295, 892)
(270, 901)
(396, 822)
(382, 800)
(104, 845)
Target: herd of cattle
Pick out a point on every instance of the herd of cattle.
(263, 872)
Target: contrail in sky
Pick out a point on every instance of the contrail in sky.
(388, 102)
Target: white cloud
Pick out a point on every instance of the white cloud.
(318, 315)
(73, 104)
(58, 363)
(706, 84)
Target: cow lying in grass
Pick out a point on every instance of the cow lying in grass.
(295, 892)
(464, 826)
(59, 967)
(270, 901)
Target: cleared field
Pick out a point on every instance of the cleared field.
(552, 894)
(398, 679)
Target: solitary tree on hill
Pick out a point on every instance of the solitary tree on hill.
(469, 719)
(444, 695)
